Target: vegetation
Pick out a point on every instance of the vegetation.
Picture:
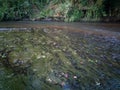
(68, 10)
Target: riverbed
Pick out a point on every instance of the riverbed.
(59, 56)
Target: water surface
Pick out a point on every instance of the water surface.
(47, 58)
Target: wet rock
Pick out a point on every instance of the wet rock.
(75, 77)
(66, 75)
(18, 62)
(46, 30)
(49, 80)
(75, 84)
(34, 70)
(66, 86)
(116, 56)
(115, 70)
(41, 56)
(97, 83)
(36, 84)
(62, 84)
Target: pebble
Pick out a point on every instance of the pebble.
(43, 56)
(34, 70)
(63, 83)
(97, 83)
(49, 80)
(75, 77)
(66, 75)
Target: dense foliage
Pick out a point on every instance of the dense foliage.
(70, 10)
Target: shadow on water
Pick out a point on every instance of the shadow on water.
(55, 59)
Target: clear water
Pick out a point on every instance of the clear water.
(54, 59)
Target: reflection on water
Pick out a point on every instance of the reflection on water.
(51, 59)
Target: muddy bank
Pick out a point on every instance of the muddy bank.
(106, 29)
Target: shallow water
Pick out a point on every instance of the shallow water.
(56, 59)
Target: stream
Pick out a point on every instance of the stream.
(59, 56)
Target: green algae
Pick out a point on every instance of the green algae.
(51, 59)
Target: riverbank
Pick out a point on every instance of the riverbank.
(108, 29)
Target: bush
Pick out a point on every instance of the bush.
(74, 14)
